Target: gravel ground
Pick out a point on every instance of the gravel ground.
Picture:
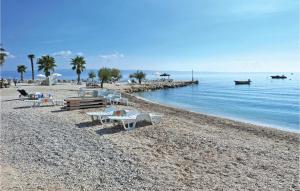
(48, 149)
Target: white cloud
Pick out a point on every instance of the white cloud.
(63, 53)
(9, 55)
(115, 59)
(112, 56)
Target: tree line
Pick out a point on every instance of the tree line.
(47, 65)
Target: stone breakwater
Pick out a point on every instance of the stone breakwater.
(158, 85)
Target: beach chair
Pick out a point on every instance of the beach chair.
(103, 92)
(24, 94)
(120, 101)
(110, 95)
(103, 115)
(38, 102)
(81, 92)
(130, 119)
(115, 96)
(34, 103)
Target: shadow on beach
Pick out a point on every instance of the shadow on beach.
(7, 100)
(60, 110)
(28, 106)
(118, 128)
(109, 130)
(87, 124)
(22, 107)
(104, 130)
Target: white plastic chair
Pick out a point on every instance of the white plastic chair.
(120, 101)
(81, 92)
(103, 115)
(130, 119)
(37, 103)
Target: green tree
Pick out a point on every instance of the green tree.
(3, 55)
(104, 75)
(47, 64)
(21, 69)
(31, 57)
(78, 64)
(116, 74)
(139, 75)
(92, 75)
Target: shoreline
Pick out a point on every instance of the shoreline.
(220, 116)
(249, 127)
(123, 89)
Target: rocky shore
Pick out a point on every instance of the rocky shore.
(158, 85)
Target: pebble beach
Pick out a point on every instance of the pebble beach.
(46, 148)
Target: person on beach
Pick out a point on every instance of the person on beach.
(15, 81)
(1, 83)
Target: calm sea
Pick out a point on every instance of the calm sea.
(270, 102)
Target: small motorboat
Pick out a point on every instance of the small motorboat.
(247, 82)
(279, 77)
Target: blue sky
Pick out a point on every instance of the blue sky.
(206, 35)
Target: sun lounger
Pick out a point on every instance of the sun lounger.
(38, 102)
(129, 120)
(103, 92)
(35, 96)
(24, 94)
(119, 101)
(34, 103)
(116, 98)
(82, 92)
(110, 96)
(59, 102)
(102, 116)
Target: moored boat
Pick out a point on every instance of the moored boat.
(278, 77)
(247, 82)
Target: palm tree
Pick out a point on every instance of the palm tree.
(92, 75)
(78, 64)
(104, 75)
(47, 64)
(116, 74)
(3, 55)
(21, 69)
(31, 57)
(139, 75)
